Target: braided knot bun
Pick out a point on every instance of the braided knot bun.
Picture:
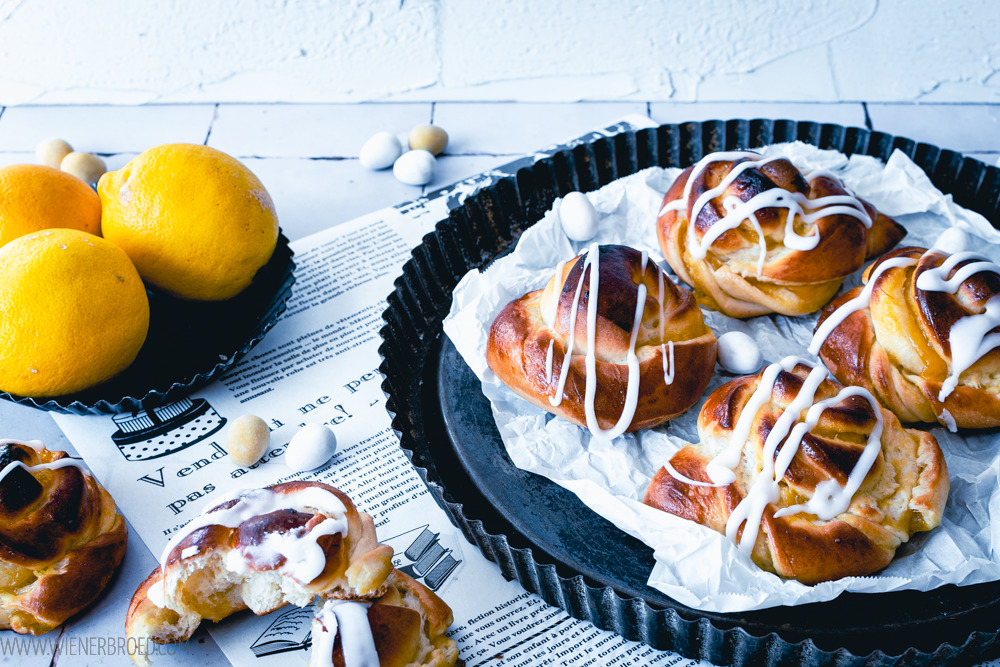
(923, 335)
(754, 235)
(61, 538)
(610, 343)
(814, 481)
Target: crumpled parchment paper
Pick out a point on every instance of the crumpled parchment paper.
(695, 565)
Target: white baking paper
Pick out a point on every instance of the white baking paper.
(695, 565)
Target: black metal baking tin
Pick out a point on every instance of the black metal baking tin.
(446, 428)
(188, 345)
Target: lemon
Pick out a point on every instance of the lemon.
(35, 197)
(196, 222)
(73, 312)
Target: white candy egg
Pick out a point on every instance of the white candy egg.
(952, 240)
(414, 167)
(578, 216)
(85, 166)
(739, 353)
(310, 448)
(380, 151)
(51, 152)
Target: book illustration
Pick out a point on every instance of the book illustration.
(420, 554)
(154, 432)
(290, 631)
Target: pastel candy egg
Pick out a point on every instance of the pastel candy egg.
(578, 216)
(310, 448)
(380, 151)
(51, 152)
(85, 166)
(739, 353)
(414, 167)
(430, 138)
(952, 240)
(247, 439)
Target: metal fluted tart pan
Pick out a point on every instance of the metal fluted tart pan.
(540, 533)
(189, 344)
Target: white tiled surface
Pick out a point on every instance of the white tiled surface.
(676, 112)
(308, 130)
(516, 129)
(98, 129)
(306, 156)
(961, 127)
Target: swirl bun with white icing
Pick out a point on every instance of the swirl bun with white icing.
(403, 628)
(754, 235)
(923, 335)
(260, 549)
(639, 351)
(61, 538)
(812, 480)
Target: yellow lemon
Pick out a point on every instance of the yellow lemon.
(196, 222)
(73, 312)
(35, 197)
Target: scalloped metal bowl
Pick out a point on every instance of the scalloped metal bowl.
(189, 344)
(539, 533)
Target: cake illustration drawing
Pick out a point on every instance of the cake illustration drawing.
(155, 432)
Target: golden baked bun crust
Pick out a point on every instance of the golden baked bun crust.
(897, 344)
(61, 538)
(261, 550)
(734, 193)
(530, 337)
(407, 626)
(901, 491)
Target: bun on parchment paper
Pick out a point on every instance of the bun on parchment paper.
(839, 487)
(674, 351)
(917, 335)
(755, 235)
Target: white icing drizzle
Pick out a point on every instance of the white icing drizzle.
(155, 594)
(970, 338)
(666, 349)
(548, 361)
(669, 368)
(33, 444)
(829, 498)
(674, 205)
(687, 480)
(556, 398)
(948, 421)
(549, 316)
(936, 280)
(350, 619)
(304, 558)
(765, 488)
(857, 303)
(54, 465)
(720, 469)
(737, 211)
(591, 260)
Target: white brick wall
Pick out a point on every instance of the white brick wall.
(125, 52)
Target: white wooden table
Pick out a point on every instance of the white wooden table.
(306, 155)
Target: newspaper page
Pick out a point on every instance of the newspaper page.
(319, 365)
